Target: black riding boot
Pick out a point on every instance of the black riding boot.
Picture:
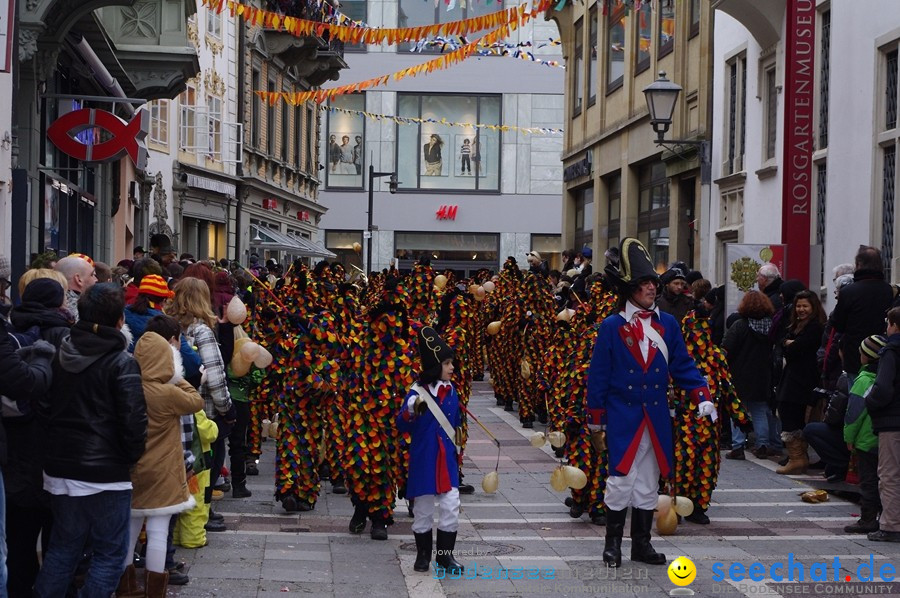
(423, 551)
(615, 527)
(641, 550)
(445, 543)
(358, 521)
(379, 528)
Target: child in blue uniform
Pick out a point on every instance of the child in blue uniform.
(431, 416)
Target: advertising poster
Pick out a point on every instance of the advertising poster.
(742, 262)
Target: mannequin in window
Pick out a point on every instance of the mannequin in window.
(433, 161)
(334, 153)
(346, 166)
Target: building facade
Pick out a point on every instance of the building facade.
(279, 209)
(468, 196)
(79, 58)
(618, 182)
(853, 137)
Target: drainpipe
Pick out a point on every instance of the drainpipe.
(99, 71)
(239, 167)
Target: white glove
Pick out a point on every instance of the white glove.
(707, 409)
(411, 404)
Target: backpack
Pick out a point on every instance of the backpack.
(11, 408)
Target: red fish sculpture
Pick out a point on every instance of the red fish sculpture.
(126, 137)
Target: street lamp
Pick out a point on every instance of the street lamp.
(392, 187)
(661, 96)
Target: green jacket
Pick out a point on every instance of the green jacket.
(857, 423)
(239, 388)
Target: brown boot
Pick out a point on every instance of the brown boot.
(128, 584)
(157, 583)
(796, 447)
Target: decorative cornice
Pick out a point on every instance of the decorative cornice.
(193, 34)
(214, 83)
(215, 45)
(28, 42)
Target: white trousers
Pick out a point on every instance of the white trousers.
(447, 507)
(157, 535)
(640, 488)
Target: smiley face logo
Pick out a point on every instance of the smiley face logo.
(682, 571)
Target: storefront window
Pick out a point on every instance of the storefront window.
(550, 248)
(346, 142)
(584, 218)
(340, 242)
(615, 206)
(448, 247)
(653, 216)
(432, 155)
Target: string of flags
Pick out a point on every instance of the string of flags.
(441, 62)
(409, 120)
(510, 18)
(495, 49)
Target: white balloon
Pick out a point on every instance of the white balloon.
(236, 311)
(264, 359)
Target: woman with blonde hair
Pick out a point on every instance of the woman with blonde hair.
(36, 273)
(192, 308)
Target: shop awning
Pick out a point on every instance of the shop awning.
(266, 238)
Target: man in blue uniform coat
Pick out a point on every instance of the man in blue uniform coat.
(636, 351)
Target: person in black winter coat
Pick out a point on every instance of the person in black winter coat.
(827, 436)
(94, 422)
(21, 382)
(861, 306)
(883, 403)
(749, 353)
(799, 377)
(673, 299)
(768, 279)
(28, 511)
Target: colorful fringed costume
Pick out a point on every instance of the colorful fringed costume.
(697, 438)
(382, 371)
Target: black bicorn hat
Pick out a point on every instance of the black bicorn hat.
(634, 265)
(433, 351)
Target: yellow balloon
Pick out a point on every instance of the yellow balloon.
(357, 247)
(440, 281)
(493, 328)
(557, 439)
(663, 505)
(684, 506)
(558, 480)
(666, 524)
(490, 482)
(538, 439)
(479, 294)
(488, 287)
(575, 478)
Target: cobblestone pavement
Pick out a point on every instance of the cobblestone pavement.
(757, 516)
